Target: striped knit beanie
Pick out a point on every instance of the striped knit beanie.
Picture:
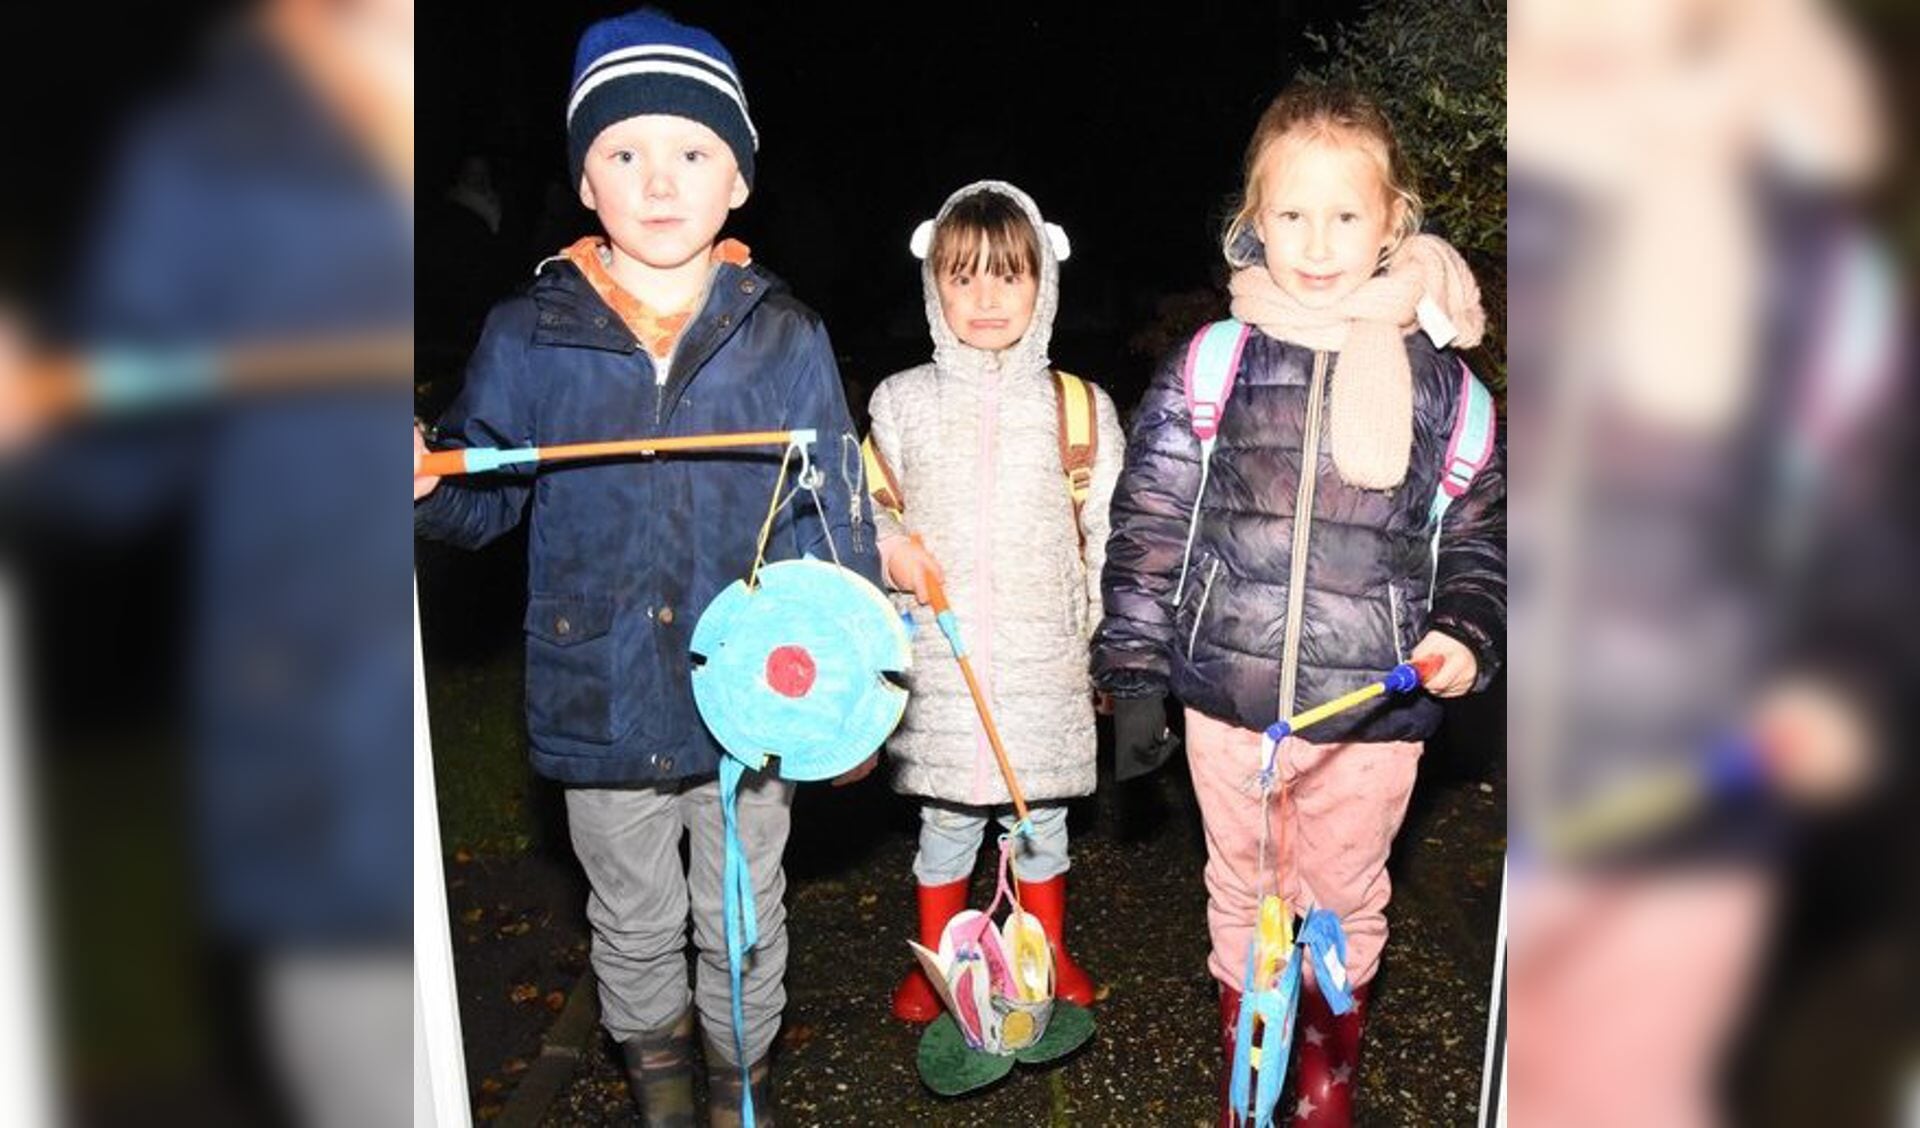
(645, 63)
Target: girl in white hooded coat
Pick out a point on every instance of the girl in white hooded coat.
(973, 444)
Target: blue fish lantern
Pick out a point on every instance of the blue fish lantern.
(1270, 1001)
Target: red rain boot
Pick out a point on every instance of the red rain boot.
(1229, 1031)
(1327, 1048)
(915, 1000)
(1048, 901)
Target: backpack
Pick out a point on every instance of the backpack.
(1213, 359)
(1076, 411)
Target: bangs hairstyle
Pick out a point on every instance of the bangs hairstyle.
(988, 222)
(1332, 115)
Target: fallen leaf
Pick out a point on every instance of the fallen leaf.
(1101, 992)
(487, 1111)
(556, 1001)
(472, 916)
(513, 1067)
(797, 1035)
(524, 993)
(462, 855)
(490, 1086)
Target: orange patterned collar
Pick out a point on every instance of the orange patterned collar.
(656, 331)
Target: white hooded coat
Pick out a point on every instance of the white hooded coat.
(973, 440)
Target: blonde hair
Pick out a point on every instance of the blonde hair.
(986, 223)
(1338, 115)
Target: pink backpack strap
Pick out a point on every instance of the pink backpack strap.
(1470, 446)
(1469, 449)
(1213, 357)
(1206, 378)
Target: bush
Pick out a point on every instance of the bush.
(1438, 68)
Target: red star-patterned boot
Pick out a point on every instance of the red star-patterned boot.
(1327, 1050)
(915, 1000)
(1229, 1028)
(1048, 901)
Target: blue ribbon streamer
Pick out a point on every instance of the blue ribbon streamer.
(741, 918)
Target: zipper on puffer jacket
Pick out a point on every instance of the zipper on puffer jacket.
(1393, 607)
(1302, 527)
(1200, 611)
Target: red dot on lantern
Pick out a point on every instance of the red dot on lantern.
(790, 671)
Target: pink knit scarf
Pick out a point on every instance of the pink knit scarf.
(1370, 416)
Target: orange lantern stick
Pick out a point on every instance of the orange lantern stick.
(116, 380)
(950, 626)
(480, 460)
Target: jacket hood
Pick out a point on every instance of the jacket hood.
(1030, 351)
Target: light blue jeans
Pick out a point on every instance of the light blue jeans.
(950, 837)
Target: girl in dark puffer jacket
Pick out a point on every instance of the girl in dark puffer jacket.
(1256, 589)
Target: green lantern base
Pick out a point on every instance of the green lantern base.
(950, 1067)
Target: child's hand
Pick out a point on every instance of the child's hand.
(858, 772)
(910, 567)
(1458, 667)
(1141, 739)
(422, 483)
(1815, 743)
(20, 420)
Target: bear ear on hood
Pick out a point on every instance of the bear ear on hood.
(922, 240)
(1056, 235)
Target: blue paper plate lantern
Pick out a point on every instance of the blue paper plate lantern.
(796, 669)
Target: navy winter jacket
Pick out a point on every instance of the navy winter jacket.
(1218, 644)
(238, 211)
(624, 554)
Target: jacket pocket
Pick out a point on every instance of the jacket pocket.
(1409, 617)
(571, 668)
(1205, 597)
(1397, 616)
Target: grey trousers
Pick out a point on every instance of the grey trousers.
(334, 1020)
(628, 841)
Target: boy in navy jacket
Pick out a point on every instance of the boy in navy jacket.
(654, 330)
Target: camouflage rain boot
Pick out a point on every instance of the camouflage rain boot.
(723, 1092)
(660, 1073)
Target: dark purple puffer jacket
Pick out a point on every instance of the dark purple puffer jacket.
(1368, 568)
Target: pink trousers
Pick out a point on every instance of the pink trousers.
(1330, 820)
(1624, 992)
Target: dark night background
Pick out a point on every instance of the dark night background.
(1127, 125)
